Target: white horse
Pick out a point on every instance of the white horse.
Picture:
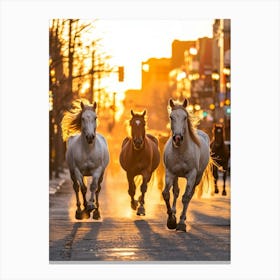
(87, 155)
(186, 155)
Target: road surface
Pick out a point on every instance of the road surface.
(122, 236)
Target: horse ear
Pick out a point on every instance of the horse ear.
(186, 103)
(132, 113)
(82, 105)
(94, 106)
(171, 103)
(144, 113)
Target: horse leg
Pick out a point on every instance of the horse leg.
(186, 198)
(93, 188)
(131, 191)
(224, 181)
(171, 220)
(96, 213)
(175, 195)
(84, 213)
(216, 175)
(143, 188)
(78, 214)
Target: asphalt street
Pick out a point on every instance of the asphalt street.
(122, 236)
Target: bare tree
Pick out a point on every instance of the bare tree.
(70, 46)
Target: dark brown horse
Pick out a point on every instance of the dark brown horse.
(139, 156)
(220, 154)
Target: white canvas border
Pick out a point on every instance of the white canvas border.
(255, 138)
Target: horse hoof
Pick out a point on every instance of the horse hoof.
(216, 191)
(96, 214)
(79, 215)
(181, 227)
(90, 207)
(171, 222)
(134, 204)
(141, 211)
(85, 214)
(224, 193)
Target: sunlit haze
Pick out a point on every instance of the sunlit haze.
(131, 42)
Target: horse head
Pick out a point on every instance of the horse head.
(88, 121)
(137, 124)
(178, 119)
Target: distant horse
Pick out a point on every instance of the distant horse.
(220, 154)
(186, 155)
(87, 155)
(139, 156)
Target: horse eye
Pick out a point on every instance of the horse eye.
(185, 118)
(171, 118)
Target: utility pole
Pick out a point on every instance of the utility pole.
(92, 71)
(221, 43)
(70, 55)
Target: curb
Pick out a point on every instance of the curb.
(55, 185)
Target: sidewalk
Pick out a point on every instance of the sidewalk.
(56, 183)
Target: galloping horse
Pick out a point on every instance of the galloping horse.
(87, 155)
(139, 156)
(220, 154)
(186, 155)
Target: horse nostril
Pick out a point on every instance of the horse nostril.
(90, 138)
(177, 138)
(137, 142)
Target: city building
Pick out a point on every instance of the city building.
(221, 64)
(155, 90)
(178, 52)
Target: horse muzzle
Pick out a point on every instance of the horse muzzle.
(90, 138)
(177, 140)
(137, 143)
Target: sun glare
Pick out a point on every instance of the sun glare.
(130, 42)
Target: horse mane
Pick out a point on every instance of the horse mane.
(71, 121)
(192, 122)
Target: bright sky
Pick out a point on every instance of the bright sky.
(130, 42)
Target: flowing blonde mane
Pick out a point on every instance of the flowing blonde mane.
(71, 121)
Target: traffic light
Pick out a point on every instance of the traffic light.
(205, 114)
(121, 73)
(228, 110)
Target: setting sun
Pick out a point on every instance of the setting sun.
(131, 42)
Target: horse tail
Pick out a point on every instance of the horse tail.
(206, 185)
